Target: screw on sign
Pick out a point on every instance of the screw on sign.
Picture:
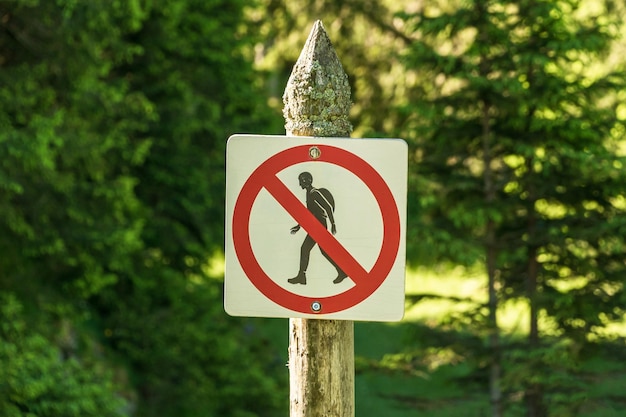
(264, 177)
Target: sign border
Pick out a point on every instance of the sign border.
(264, 177)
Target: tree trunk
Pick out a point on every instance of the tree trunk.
(495, 394)
(534, 391)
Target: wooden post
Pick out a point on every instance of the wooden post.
(321, 352)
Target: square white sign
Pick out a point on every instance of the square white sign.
(315, 227)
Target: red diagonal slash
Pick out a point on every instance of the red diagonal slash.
(265, 177)
(313, 227)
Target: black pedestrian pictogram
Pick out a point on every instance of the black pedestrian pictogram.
(321, 204)
(244, 262)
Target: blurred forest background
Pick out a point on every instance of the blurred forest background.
(113, 121)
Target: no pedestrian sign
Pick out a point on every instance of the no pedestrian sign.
(315, 227)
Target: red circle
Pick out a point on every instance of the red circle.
(383, 196)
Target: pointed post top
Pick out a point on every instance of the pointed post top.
(317, 96)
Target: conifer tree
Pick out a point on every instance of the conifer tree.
(113, 123)
(515, 148)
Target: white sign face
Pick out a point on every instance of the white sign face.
(315, 227)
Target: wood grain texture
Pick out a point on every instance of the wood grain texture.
(321, 368)
(321, 352)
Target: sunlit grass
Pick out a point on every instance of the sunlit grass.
(449, 290)
(460, 290)
(456, 290)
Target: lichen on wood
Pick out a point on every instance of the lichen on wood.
(317, 97)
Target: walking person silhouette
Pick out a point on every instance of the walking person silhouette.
(321, 204)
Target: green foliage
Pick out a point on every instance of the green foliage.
(193, 71)
(186, 356)
(515, 149)
(202, 90)
(64, 145)
(434, 372)
(504, 80)
(114, 120)
(440, 368)
(36, 380)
